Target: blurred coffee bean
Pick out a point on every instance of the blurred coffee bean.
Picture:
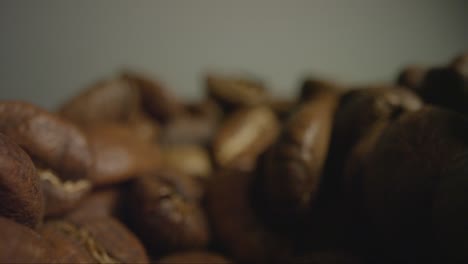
(100, 203)
(447, 86)
(105, 239)
(48, 139)
(61, 195)
(245, 134)
(119, 155)
(115, 101)
(360, 111)
(313, 89)
(21, 197)
(235, 223)
(415, 189)
(232, 92)
(194, 257)
(282, 107)
(166, 213)
(157, 100)
(412, 77)
(293, 166)
(460, 64)
(188, 129)
(192, 160)
(20, 244)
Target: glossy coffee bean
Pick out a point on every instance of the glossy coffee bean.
(21, 197)
(105, 239)
(166, 213)
(232, 93)
(415, 188)
(236, 224)
(156, 99)
(20, 244)
(293, 166)
(194, 257)
(47, 138)
(118, 155)
(245, 134)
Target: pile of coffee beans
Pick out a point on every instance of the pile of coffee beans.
(125, 172)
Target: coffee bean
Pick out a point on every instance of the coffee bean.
(414, 188)
(100, 203)
(166, 212)
(48, 139)
(245, 134)
(21, 197)
(192, 160)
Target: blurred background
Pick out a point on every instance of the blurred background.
(51, 49)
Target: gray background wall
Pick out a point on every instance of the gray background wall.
(49, 50)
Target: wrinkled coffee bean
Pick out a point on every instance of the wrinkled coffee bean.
(232, 93)
(156, 99)
(105, 239)
(166, 212)
(293, 167)
(21, 197)
(20, 244)
(119, 156)
(245, 134)
(411, 77)
(194, 257)
(192, 160)
(48, 139)
(236, 224)
(415, 189)
(61, 195)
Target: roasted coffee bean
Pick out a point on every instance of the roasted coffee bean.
(105, 239)
(359, 112)
(293, 167)
(245, 134)
(232, 93)
(235, 223)
(313, 88)
(61, 195)
(156, 99)
(415, 189)
(100, 203)
(411, 77)
(21, 196)
(115, 101)
(20, 244)
(192, 160)
(119, 156)
(447, 87)
(282, 107)
(188, 129)
(48, 139)
(166, 212)
(194, 257)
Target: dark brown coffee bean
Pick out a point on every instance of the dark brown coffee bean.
(232, 93)
(359, 112)
(313, 88)
(293, 167)
(118, 155)
(48, 139)
(447, 87)
(100, 203)
(245, 134)
(166, 212)
(236, 224)
(192, 160)
(156, 99)
(415, 189)
(412, 77)
(115, 101)
(194, 257)
(105, 239)
(20, 244)
(21, 196)
(61, 195)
